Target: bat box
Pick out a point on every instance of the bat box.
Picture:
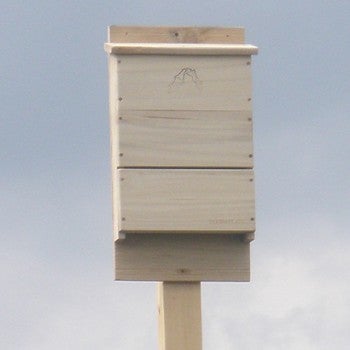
(182, 153)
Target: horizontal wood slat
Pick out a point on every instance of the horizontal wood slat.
(185, 139)
(181, 49)
(184, 83)
(132, 34)
(171, 257)
(165, 200)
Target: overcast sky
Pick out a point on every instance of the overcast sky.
(56, 271)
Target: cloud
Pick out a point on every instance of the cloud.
(299, 296)
(45, 307)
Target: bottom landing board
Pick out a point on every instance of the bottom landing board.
(189, 257)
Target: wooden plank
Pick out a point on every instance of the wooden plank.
(176, 257)
(180, 320)
(181, 49)
(132, 34)
(147, 82)
(221, 139)
(168, 200)
(112, 67)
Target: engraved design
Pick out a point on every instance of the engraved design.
(186, 74)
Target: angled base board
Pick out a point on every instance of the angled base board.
(186, 200)
(173, 257)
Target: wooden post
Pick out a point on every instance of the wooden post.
(179, 308)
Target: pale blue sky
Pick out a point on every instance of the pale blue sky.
(57, 289)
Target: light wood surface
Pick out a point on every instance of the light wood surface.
(184, 83)
(179, 100)
(114, 135)
(217, 139)
(180, 321)
(139, 34)
(186, 200)
(189, 257)
(181, 49)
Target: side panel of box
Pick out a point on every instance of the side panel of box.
(168, 200)
(114, 138)
(160, 82)
(221, 139)
(182, 258)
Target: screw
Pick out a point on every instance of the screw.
(250, 156)
(248, 63)
(251, 219)
(249, 99)
(120, 98)
(123, 219)
(176, 34)
(121, 154)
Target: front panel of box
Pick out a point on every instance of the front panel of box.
(164, 82)
(186, 200)
(191, 139)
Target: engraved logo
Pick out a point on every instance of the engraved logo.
(186, 75)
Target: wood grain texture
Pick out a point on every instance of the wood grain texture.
(181, 49)
(167, 200)
(135, 34)
(217, 139)
(175, 257)
(114, 134)
(184, 83)
(180, 320)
